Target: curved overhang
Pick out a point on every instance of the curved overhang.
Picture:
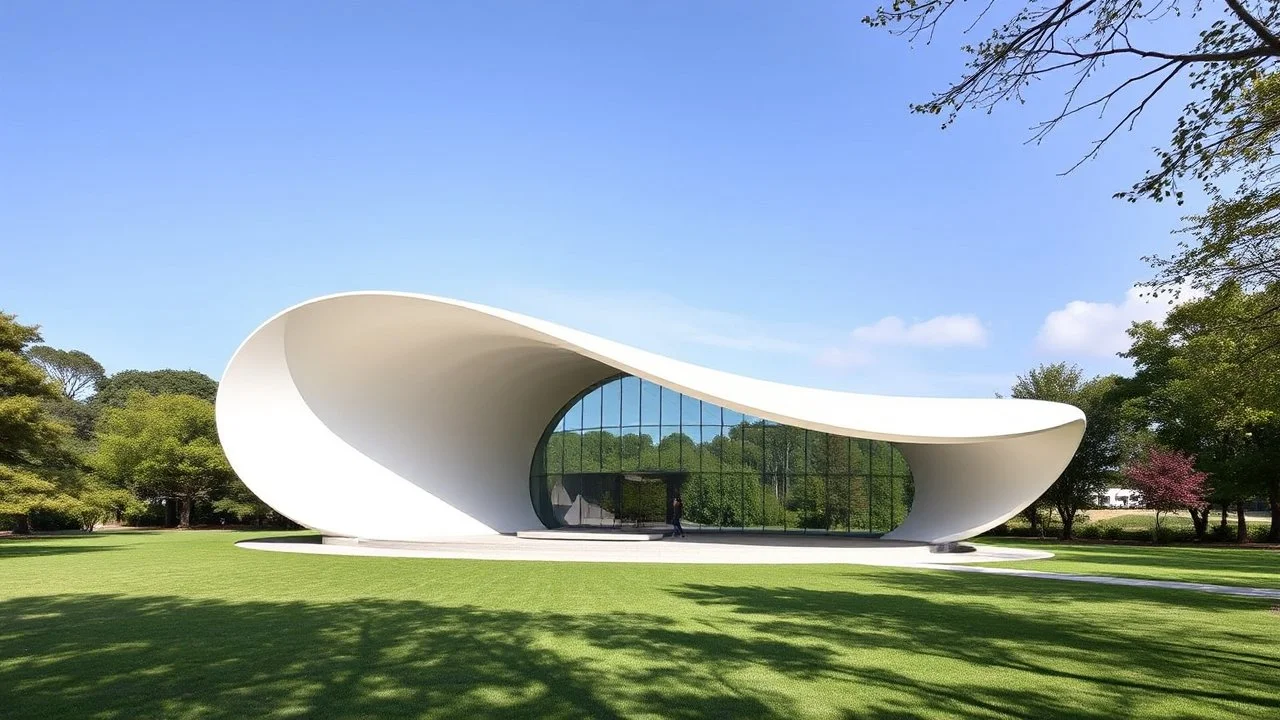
(397, 416)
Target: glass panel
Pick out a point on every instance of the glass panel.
(718, 450)
(710, 414)
(650, 403)
(609, 501)
(555, 453)
(630, 401)
(572, 451)
(673, 448)
(573, 418)
(838, 454)
(690, 411)
(591, 451)
(649, 447)
(692, 450)
(816, 452)
(731, 500)
(670, 414)
(858, 509)
(631, 448)
(612, 461)
(591, 409)
(698, 509)
(611, 400)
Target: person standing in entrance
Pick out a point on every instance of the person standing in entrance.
(677, 510)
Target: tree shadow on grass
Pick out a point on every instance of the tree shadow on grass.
(901, 644)
(983, 625)
(24, 548)
(150, 657)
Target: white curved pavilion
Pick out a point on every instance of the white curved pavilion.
(402, 417)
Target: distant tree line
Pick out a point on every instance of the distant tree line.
(1199, 419)
(79, 447)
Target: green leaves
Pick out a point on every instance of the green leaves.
(76, 372)
(31, 443)
(1207, 382)
(114, 391)
(161, 446)
(1096, 460)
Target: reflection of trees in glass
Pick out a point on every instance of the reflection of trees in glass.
(746, 474)
(643, 502)
(740, 472)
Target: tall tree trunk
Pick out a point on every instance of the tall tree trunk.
(22, 524)
(1068, 516)
(170, 512)
(1273, 496)
(1032, 514)
(184, 518)
(1225, 505)
(1200, 519)
(1242, 532)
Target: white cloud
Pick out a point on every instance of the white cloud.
(1097, 328)
(941, 331)
(657, 321)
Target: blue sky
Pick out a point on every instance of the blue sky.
(736, 184)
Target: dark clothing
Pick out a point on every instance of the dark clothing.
(677, 509)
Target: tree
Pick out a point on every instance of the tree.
(1109, 57)
(1237, 238)
(80, 417)
(1208, 382)
(1168, 481)
(239, 502)
(90, 501)
(162, 446)
(30, 441)
(114, 391)
(1095, 462)
(76, 372)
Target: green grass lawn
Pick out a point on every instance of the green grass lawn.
(1248, 567)
(185, 625)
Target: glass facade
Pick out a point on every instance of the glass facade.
(618, 454)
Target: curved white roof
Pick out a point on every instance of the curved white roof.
(399, 416)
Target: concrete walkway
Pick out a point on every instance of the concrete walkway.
(694, 549)
(1267, 593)
(732, 550)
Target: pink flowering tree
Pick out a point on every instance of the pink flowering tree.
(1168, 481)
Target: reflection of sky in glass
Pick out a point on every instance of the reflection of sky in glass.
(639, 406)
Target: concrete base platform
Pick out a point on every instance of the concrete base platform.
(743, 549)
(588, 534)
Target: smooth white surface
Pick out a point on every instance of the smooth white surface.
(406, 417)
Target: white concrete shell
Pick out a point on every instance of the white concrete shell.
(395, 416)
